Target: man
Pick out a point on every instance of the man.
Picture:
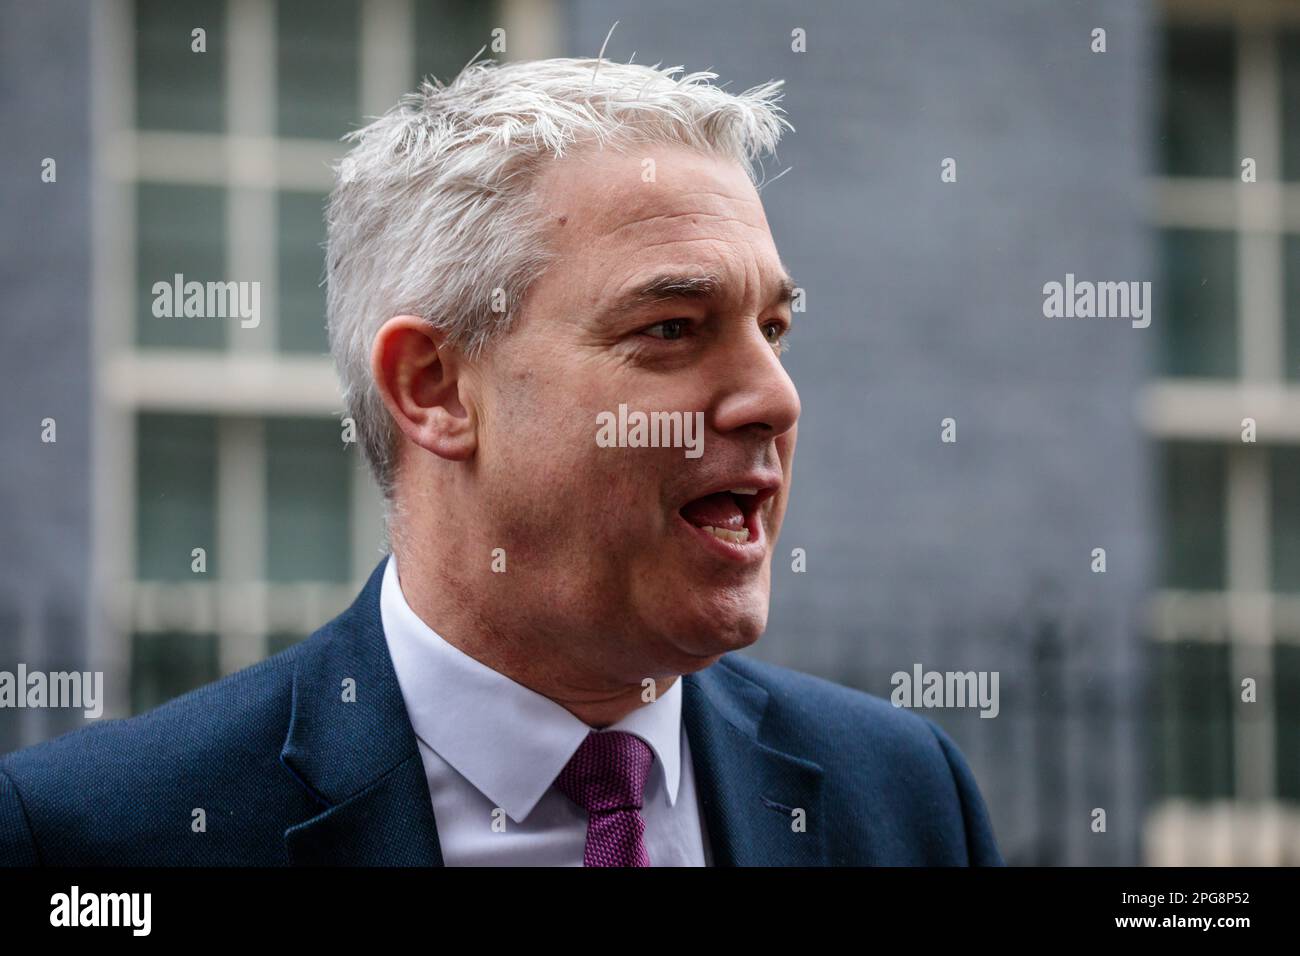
(558, 314)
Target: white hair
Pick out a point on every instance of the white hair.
(433, 212)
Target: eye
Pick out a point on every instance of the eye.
(668, 329)
(775, 333)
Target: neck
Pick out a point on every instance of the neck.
(438, 593)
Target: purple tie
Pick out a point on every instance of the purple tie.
(606, 777)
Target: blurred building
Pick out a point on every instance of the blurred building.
(1120, 691)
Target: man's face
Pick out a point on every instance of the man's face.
(607, 548)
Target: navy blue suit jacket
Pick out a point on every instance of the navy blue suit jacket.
(287, 772)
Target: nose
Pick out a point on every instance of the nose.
(755, 391)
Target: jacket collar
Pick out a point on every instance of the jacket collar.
(356, 757)
(749, 791)
(350, 745)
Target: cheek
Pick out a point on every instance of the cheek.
(549, 480)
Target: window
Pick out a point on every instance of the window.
(176, 479)
(1196, 702)
(317, 64)
(181, 231)
(307, 492)
(176, 88)
(229, 437)
(1199, 117)
(1192, 489)
(1228, 613)
(1199, 304)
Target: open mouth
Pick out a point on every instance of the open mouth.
(730, 516)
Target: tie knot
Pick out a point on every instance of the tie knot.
(607, 772)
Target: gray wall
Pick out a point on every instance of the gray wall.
(45, 272)
(925, 302)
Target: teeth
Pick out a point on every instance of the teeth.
(743, 491)
(735, 537)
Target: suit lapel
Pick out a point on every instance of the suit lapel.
(358, 759)
(390, 824)
(749, 792)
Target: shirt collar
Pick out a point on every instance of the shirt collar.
(507, 740)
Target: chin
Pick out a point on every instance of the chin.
(716, 628)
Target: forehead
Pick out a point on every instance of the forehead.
(649, 205)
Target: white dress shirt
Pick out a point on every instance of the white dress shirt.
(492, 748)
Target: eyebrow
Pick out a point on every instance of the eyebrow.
(669, 287)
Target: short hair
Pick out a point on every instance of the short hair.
(433, 211)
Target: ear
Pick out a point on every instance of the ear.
(419, 376)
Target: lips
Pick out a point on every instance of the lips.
(721, 515)
(730, 515)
